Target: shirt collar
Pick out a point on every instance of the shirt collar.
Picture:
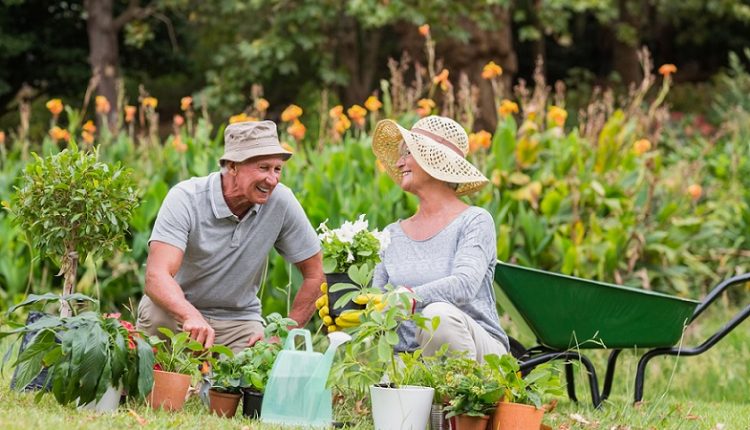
(218, 204)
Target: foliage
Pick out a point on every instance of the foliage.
(529, 389)
(352, 244)
(475, 392)
(85, 354)
(178, 353)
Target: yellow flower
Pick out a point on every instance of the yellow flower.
(357, 113)
(641, 146)
(342, 124)
(55, 106)
(241, 117)
(151, 102)
(87, 137)
(373, 104)
(262, 104)
(557, 115)
(291, 113)
(695, 191)
(491, 70)
(297, 129)
(496, 177)
(89, 127)
(178, 120)
(2, 137)
(287, 146)
(425, 107)
(424, 30)
(336, 111)
(58, 134)
(480, 139)
(442, 79)
(507, 107)
(130, 112)
(102, 105)
(186, 102)
(178, 145)
(667, 69)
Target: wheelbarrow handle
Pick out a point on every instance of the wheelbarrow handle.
(717, 291)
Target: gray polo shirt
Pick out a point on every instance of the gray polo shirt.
(224, 256)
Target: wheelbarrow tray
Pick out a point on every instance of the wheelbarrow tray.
(565, 312)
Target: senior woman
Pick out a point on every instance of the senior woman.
(446, 251)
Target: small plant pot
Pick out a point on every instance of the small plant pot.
(223, 404)
(170, 390)
(437, 417)
(333, 297)
(108, 403)
(251, 403)
(468, 422)
(517, 416)
(406, 407)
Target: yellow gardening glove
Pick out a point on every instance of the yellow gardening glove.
(352, 318)
(323, 311)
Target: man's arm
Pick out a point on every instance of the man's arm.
(304, 302)
(162, 264)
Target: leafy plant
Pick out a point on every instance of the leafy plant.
(473, 391)
(529, 390)
(85, 354)
(178, 353)
(352, 244)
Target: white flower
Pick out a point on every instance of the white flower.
(350, 257)
(384, 237)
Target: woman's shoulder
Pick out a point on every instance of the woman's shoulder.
(476, 213)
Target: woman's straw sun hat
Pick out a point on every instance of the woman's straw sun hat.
(438, 144)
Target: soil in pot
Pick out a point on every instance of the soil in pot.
(333, 297)
(223, 404)
(170, 390)
(517, 417)
(251, 403)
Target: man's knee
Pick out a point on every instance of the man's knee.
(151, 317)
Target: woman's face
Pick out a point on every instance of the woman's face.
(412, 174)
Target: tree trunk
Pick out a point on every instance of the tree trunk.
(625, 52)
(104, 52)
(358, 51)
(69, 268)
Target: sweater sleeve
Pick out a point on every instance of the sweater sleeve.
(475, 254)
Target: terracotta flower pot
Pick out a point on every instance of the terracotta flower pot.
(515, 416)
(170, 390)
(467, 422)
(223, 404)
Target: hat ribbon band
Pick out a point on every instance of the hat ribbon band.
(439, 139)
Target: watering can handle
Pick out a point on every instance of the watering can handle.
(296, 332)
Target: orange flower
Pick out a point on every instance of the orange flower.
(336, 111)
(425, 107)
(186, 102)
(178, 145)
(557, 115)
(667, 69)
(342, 124)
(373, 104)
(424, 30)
(357, 114)
(241, 117)
(480, 139)
(641, 146)
(130, 112)
(89, 127)
(297, 129)
(2, 137)
(262, 105)
(291, 113)
(695, 191)
(102, 105)
(151, 102)
(58, 134)
(507, 107)
(55, 106)
(178, 120)
(287, 146)
(87, 137)
(491, 70)
(496, 178)
(442, 79)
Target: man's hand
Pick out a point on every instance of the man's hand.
(199, 330)
(255, 337)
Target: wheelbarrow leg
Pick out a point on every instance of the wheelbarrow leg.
(569, 356)
(610, 375)
(570, 381)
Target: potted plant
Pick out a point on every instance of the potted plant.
(89, 356)
(350, 253)
(226, 387)
(521, 406)
(177, 361)
(475, 393)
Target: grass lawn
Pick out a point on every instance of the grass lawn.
(710, 391)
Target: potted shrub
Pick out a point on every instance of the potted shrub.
(226, 387)
(89, 356)
(521, 406)
(475, 393)
(177, 360)
(350, 253)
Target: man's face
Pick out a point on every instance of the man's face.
(257, 177)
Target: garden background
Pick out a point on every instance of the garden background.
(607, 161)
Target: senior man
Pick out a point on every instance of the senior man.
(211, 239)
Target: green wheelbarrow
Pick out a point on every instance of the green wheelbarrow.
(570, 315)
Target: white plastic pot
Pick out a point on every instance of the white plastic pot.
(404, 408)
(108, 403)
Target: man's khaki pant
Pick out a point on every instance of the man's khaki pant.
(231, 333)
(459, 331)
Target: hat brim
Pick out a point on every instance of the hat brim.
(240, 156)
(436, 159)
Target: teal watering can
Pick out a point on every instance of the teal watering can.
(296, 391)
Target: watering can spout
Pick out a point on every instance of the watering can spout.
(335, 339)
